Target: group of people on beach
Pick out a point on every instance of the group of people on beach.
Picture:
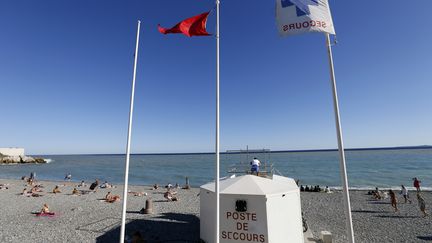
(4, 186)
(37, 188)
(316, 188)
(170, 194)
(34, 188)
(379, 195)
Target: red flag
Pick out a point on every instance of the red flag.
(194, 26)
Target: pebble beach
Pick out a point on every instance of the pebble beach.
(373, 220)
(88, 218)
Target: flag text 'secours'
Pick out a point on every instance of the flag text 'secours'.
(300, 16)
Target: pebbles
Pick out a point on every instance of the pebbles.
(373, 221)
(87, 219)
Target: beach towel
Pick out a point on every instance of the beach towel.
(45, 214)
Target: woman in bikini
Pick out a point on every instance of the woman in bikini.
(111, 198)
(56, 189)
(45, 209)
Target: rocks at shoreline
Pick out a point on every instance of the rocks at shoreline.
(21, 160)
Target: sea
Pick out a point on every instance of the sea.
(367, 169)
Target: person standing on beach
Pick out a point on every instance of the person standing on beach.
(393, 199)
(404, 193)
(416, 184)
(255, 164)
(422, 204)
(32, 176)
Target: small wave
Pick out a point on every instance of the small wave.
(49, 160)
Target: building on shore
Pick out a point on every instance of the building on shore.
(13, 152)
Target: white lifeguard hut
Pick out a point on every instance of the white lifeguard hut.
(253, 209)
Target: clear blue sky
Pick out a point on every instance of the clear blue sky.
(66, 68)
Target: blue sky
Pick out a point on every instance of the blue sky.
(66, 68)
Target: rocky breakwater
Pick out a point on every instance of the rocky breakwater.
(4, 159)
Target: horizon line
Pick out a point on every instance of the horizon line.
(269, 151)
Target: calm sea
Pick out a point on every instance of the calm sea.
(366, 168)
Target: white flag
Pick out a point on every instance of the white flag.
(299, 16)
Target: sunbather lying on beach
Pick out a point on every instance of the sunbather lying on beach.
(76, 192)
(85, 192)
(169, 196)
(26, 193)
(36, 189)
(376, 194)
(56, 189)
(111, 198)
(155, 186)
(106, 185)
(4, 186)
(138, 194)
(82, 184)
(30, 193)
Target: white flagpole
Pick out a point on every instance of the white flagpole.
(217, 125)
(125, 191)
(343, 173)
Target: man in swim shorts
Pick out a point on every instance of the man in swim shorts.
(255, 164)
